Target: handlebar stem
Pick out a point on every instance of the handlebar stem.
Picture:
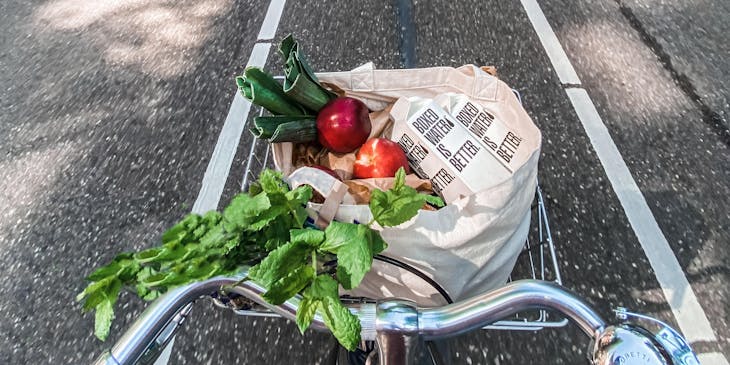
(396, 328)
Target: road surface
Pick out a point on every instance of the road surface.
(110, 113)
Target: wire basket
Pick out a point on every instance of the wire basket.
(537, 260)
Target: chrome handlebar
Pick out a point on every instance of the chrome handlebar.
(155, 327)
(396, 325)
(518, 296)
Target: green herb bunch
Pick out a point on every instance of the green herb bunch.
(264, 227)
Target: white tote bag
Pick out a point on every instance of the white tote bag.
(471, 245)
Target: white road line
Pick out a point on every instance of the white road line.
(550, 42)
(219, 166)
(216, 174)
(271, 21)
(259, 55)
(688, 312)
(690, 316)
(714, 358)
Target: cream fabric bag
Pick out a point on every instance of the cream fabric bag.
(471, 245)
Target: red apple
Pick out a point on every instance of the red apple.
(343, 124)
(379, 157)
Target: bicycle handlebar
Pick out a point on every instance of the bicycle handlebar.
(394, 324)
(154, 328)
(483, 310)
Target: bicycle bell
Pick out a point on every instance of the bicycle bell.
(627, 344)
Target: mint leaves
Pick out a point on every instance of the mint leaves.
(322, 297)
(295, 267)
(355, 245)
(200, 247)
(400, 203)
(344, 325)
(264, 227)
(279, 262)
(102, 293)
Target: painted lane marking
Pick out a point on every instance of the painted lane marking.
(219, 166)
(271, 21)
(712, 358)
(216, 174)
(679, 294)
(550, 43)
(690, 316)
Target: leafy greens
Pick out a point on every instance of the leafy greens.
(264, 227)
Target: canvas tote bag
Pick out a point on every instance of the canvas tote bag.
(469, 246)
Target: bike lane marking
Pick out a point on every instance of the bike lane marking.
(219, 166)
(712, 358)
(216, 174)
(680, 296)
(555, 52)
(690, 316)
(271, 21)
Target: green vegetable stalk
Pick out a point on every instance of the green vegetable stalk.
(262, 89)
(300, 82)
(285, 128)
(299, 97)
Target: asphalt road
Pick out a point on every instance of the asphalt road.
(109, 114)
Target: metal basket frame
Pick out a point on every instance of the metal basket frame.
(540, 257)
